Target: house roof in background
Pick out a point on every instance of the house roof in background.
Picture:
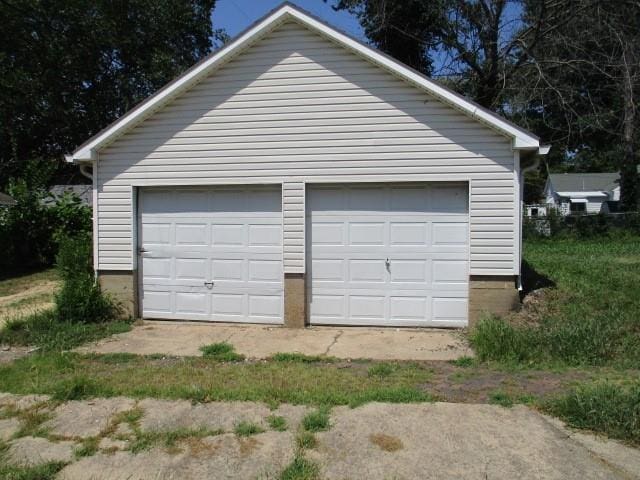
(522, 139)
(6, 200)
(85, 192)
(584, 182)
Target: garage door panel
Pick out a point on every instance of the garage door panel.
(212, 254)
(390, 255)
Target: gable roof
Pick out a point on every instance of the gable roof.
(584, 182)
(522, 139)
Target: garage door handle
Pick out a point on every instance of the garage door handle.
(387, 262)
(209, 285)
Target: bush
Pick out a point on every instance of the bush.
(80, 299)
(555, 225)
(31, 229)
(602, 407)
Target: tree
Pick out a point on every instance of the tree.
(479, 44)
(581, 89)
(70, 67)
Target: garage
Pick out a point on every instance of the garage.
(298, 177)
(388, 255)
(211, 254)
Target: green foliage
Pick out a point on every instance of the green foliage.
(80, 299)
(301, 469)
(317, 421)
(302, 358)
(46, 471)
(381, 370)
(555, 225)
(223, 352)
(47, 332)
(31, 229)
(113, 56)
(77, 388)
(277, 423)
(591, 318)
(464, 362)
(501, 398)
(201, 380)
(603, 407)
(246, 429)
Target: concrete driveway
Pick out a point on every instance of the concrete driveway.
(254, 341)
(162, 440)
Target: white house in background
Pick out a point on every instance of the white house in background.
(575, 193)
(298, 176)
(536, 210)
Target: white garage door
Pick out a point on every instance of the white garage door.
(212, 254)
(393, 255)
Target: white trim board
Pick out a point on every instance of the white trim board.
(521, 139)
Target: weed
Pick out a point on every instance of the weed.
(301, 469)
(277, 423)
(381, 370)
(317, 420)
(169, 439)
(301, 358)
(87, 448)
(501, 398)
(603, 407)
(223, 352)
(77, 388)
(464, 362)
(306, 440)
(246, 429)
(31, 421)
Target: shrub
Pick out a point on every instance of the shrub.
(31, 229)
(80, 298)
(602, 407)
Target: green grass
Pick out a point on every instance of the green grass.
(223, 352)
(317, 421)
(74, 376)
(381, 370)
(246, 429)
(47, 471)
(168, 439)
(301, 469)
(302, 358)
(605, 407)
(87, 448)
(45, 331)
(306, 440)
(10, 285)
(277, 423)
(591, 318)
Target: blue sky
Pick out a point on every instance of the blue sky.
(235, 15)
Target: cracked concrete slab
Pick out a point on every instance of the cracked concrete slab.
(31, 451)
(8, 428)
(259, 341)
(222, 457)
(83, 419)
(165, 415)
(21, 402)
(441, 440)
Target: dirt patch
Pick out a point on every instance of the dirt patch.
(247, 445)
(476, 384)
(388, 443)
(35, 298)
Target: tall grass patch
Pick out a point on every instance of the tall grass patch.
(593, 316)
(603, 407)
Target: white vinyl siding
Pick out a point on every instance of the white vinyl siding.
(296, 109)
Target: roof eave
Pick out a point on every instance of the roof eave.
(522, 140)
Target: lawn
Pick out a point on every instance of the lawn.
(591, 317)
(27, 293)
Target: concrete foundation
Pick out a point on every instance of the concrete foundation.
(496, 295)
(122, 287)
(295, 301)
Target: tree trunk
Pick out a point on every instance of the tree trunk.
(629, 188)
